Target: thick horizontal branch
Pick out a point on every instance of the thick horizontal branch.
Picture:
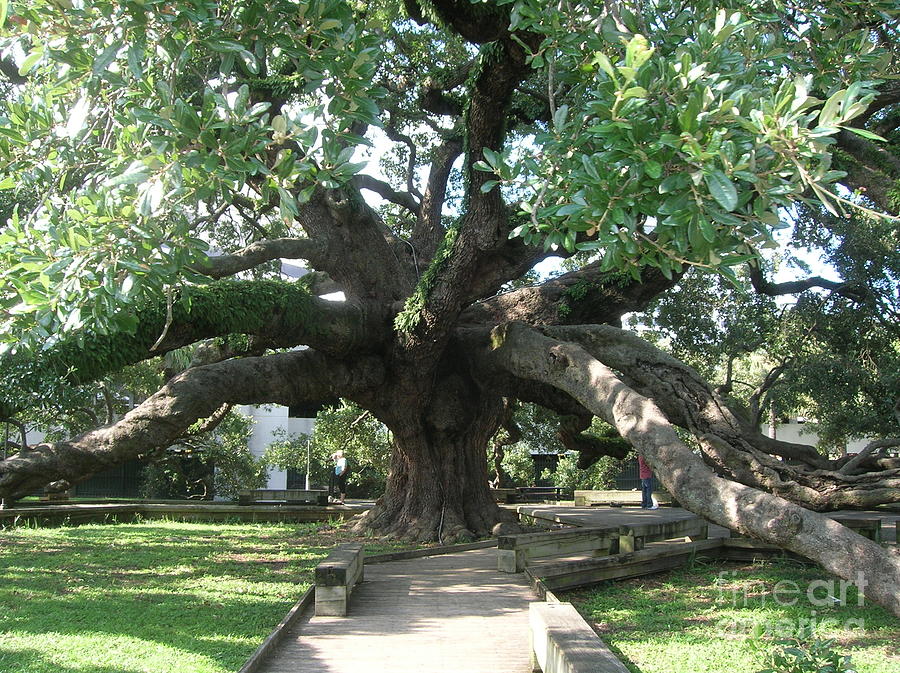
(282, 378)
(527, 353)
(580, 297)
(736, 449)
(283, 314)
(222, 266)
(683, 395)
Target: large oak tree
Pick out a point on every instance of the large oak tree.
(640, 140)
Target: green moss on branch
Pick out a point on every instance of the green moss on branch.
(227, 307)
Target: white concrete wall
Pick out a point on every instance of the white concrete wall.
(301, 426)
(267, 419)
(803, 433)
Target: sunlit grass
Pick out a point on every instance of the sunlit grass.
(701, 619)
(153, 597)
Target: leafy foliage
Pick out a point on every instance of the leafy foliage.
(599, 476)
(674, 137)
(139, 120)
(217, 462)
(539, 428)
(821, 356)
(806, 655)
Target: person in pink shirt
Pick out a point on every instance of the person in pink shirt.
(646, 476)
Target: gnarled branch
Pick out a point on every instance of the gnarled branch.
(388, 193)
(221, 266)
(282, 378)
(527, 353)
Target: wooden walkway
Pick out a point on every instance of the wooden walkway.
(453, 613)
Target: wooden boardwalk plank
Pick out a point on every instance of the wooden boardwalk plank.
(443, 614)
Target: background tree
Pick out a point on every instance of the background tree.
(364, 439)
(640, 138)
(532, 429)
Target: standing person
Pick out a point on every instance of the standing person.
(341, 472)
(646, 475)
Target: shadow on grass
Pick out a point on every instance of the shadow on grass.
(196, 591)
(705, 617)
(33, 660)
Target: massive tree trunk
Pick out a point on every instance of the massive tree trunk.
(437, 488)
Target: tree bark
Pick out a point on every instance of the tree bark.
(437, 489)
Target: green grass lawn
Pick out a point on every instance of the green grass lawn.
(154, 597)
(700, 619)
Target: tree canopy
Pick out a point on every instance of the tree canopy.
(158, 159)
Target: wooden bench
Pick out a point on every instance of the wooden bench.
(538, 493)
(55, 496)
(617, 498)
(288, 496)
(515, 551)
(335, 578)
(505, 495)
(562, 642)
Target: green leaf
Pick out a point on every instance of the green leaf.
(559, 117)
(653, 169)
(637, 52)
(4, 8)
(707, 230)
(605, 65)
(135, 174)
(225, 46)
(673, 183)
(634, 92)
(722, 189)
(493, 158)
(733, 260)
(7, 183)
(569, 209)
(829, 110)
(864, 133)
(108, 55)
(135, 54)
(589, 167)
(31, 60)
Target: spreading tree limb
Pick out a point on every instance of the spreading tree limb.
(527, 353)
(281, 378)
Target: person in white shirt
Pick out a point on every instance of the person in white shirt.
(341, 472)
